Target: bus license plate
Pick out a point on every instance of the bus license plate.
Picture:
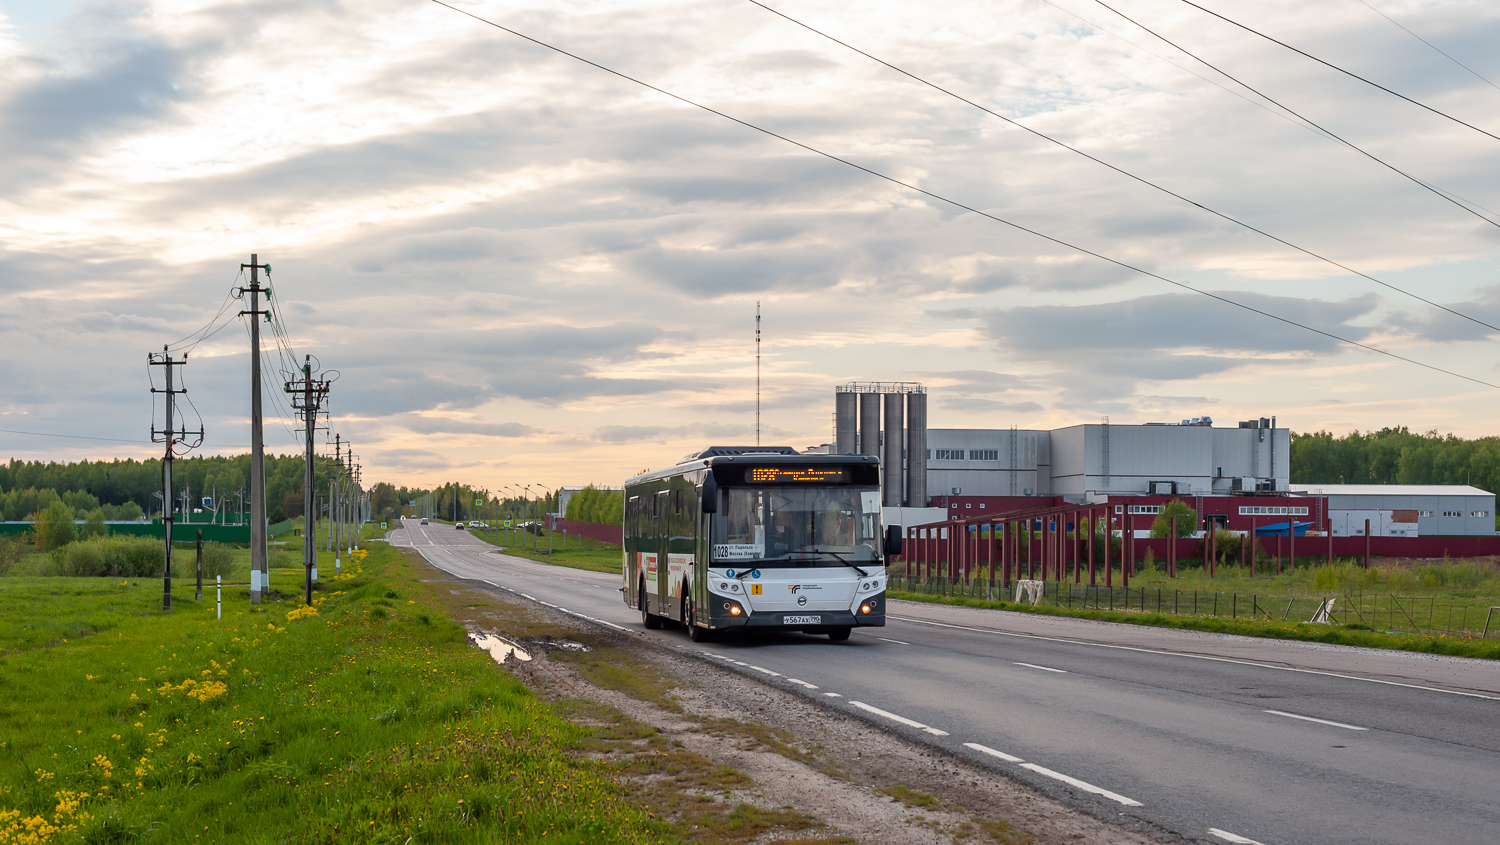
(802, 620)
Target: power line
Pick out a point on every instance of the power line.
(956, 204)
(1435, 190)
(1348, 73)
(1119, 170)
(71, 436)
(1430, 44)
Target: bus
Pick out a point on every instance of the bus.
(758, 537)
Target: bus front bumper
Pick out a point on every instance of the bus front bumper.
(722, 616)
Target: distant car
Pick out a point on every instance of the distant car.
(458, 525)
(424, 520)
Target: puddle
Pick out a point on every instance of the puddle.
(500, 649)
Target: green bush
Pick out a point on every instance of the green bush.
(283, 559)
(116, 557)
(1176, 517)
(54, 527)
(217, 560)
(13, 547)
(93, 525)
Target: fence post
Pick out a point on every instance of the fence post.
(1328, 525)
(1213, 548)
(1367, 544)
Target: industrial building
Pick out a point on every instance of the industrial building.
(1406, 510)
(1090, 462)
(1237, 477)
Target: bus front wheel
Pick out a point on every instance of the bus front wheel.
(695, 633)
(649, 619)
(838, 635)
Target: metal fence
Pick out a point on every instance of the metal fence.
(1377, 612)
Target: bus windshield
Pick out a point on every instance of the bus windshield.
(795, 525)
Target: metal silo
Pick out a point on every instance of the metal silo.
(890, 465)
(869, 424)
(845, 426)
(916, 449)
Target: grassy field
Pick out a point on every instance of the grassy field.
(368, 718)
(591, 555)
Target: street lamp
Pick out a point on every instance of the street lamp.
(544, 520)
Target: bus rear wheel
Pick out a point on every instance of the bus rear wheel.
(838, 635)
(649, 619)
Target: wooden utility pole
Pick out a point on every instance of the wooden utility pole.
(258, 574)
(307, 397)
(171, 435)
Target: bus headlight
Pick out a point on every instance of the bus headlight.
(734, 609)
(864, 608)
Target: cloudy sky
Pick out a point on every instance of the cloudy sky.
(526, 270)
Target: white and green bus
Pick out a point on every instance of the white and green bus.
(758, 537)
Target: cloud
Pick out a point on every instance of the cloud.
(1178, 321)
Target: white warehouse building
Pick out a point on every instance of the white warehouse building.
(1096, 460)
(1403, 510)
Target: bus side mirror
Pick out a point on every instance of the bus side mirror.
(710, 493)
(894, 538)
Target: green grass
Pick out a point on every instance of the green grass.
(371, 720)
(1334, 634)
(593, 555)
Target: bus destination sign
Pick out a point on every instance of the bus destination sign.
(797, 475)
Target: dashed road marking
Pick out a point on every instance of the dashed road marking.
(1043, 668)
(869, 708)
(802, 683)
(1319, 721)
(889, 640)
(767, 671)
(985, 749)
(1232, 837)
(1208, 657)
(833, 695)
(1083, 785)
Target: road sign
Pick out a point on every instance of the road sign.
(478, 501)
(382, 525)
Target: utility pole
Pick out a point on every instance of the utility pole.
(757, 372)
(170, 436)
(308, 400)
(258, 573)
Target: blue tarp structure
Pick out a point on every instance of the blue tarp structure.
(1278, 529)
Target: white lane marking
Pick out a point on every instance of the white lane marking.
(767, 671)
(1043, 668)
(889, 640)
(868, 708)
(737, 663)
(1232, 837)
(1319, 721)
(1233, 660)
(524, 596)
(802, 683)
(985, 749)
(1083, 785)
(833, 695)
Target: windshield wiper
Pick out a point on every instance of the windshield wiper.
(840, 559)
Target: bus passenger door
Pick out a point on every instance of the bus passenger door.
(661, 528)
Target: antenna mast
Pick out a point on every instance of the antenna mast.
(757, 372)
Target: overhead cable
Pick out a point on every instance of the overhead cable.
(1348, 73)
(1430, 44)
(1351, 145)
(956, 204)
(1119, 170)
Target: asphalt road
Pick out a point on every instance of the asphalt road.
(1218, 739)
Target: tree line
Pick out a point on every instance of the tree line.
(1395, 456)
(126, 488)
